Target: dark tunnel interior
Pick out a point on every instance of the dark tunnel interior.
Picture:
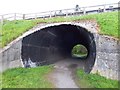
(55, 43)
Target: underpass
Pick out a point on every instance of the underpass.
(47, 44)
(55, 43)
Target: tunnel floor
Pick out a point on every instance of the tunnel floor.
(67, 63)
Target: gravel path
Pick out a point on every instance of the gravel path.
(63, 75)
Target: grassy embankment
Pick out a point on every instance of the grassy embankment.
(108, 23)
(36, 77)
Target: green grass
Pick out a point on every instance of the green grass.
(95, 81)
(108, 23)
(26, 78)
(13, 29)
(0, 81)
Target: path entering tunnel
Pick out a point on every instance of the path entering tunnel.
(55, 43)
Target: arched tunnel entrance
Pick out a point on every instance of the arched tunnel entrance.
(51, 44)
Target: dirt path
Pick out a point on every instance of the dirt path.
(63, 75)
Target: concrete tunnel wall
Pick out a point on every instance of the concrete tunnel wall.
(55, 43)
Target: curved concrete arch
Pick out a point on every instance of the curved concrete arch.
(52, 43)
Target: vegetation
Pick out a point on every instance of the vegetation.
(95, 81)
(79, 51)
(13, 29)
(108, 23)
(0, 81)
(26, 77)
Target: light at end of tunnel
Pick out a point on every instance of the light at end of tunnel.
(79, 51)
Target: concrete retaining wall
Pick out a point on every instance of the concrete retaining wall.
(11, 56)
(107, 57)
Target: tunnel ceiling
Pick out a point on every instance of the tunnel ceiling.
(54, 43)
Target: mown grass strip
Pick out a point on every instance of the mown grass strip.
(26, 78)
(95, 81)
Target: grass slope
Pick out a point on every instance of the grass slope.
(12, 29)
(95, 81)
(26, 77)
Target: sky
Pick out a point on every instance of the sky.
(34, 6)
